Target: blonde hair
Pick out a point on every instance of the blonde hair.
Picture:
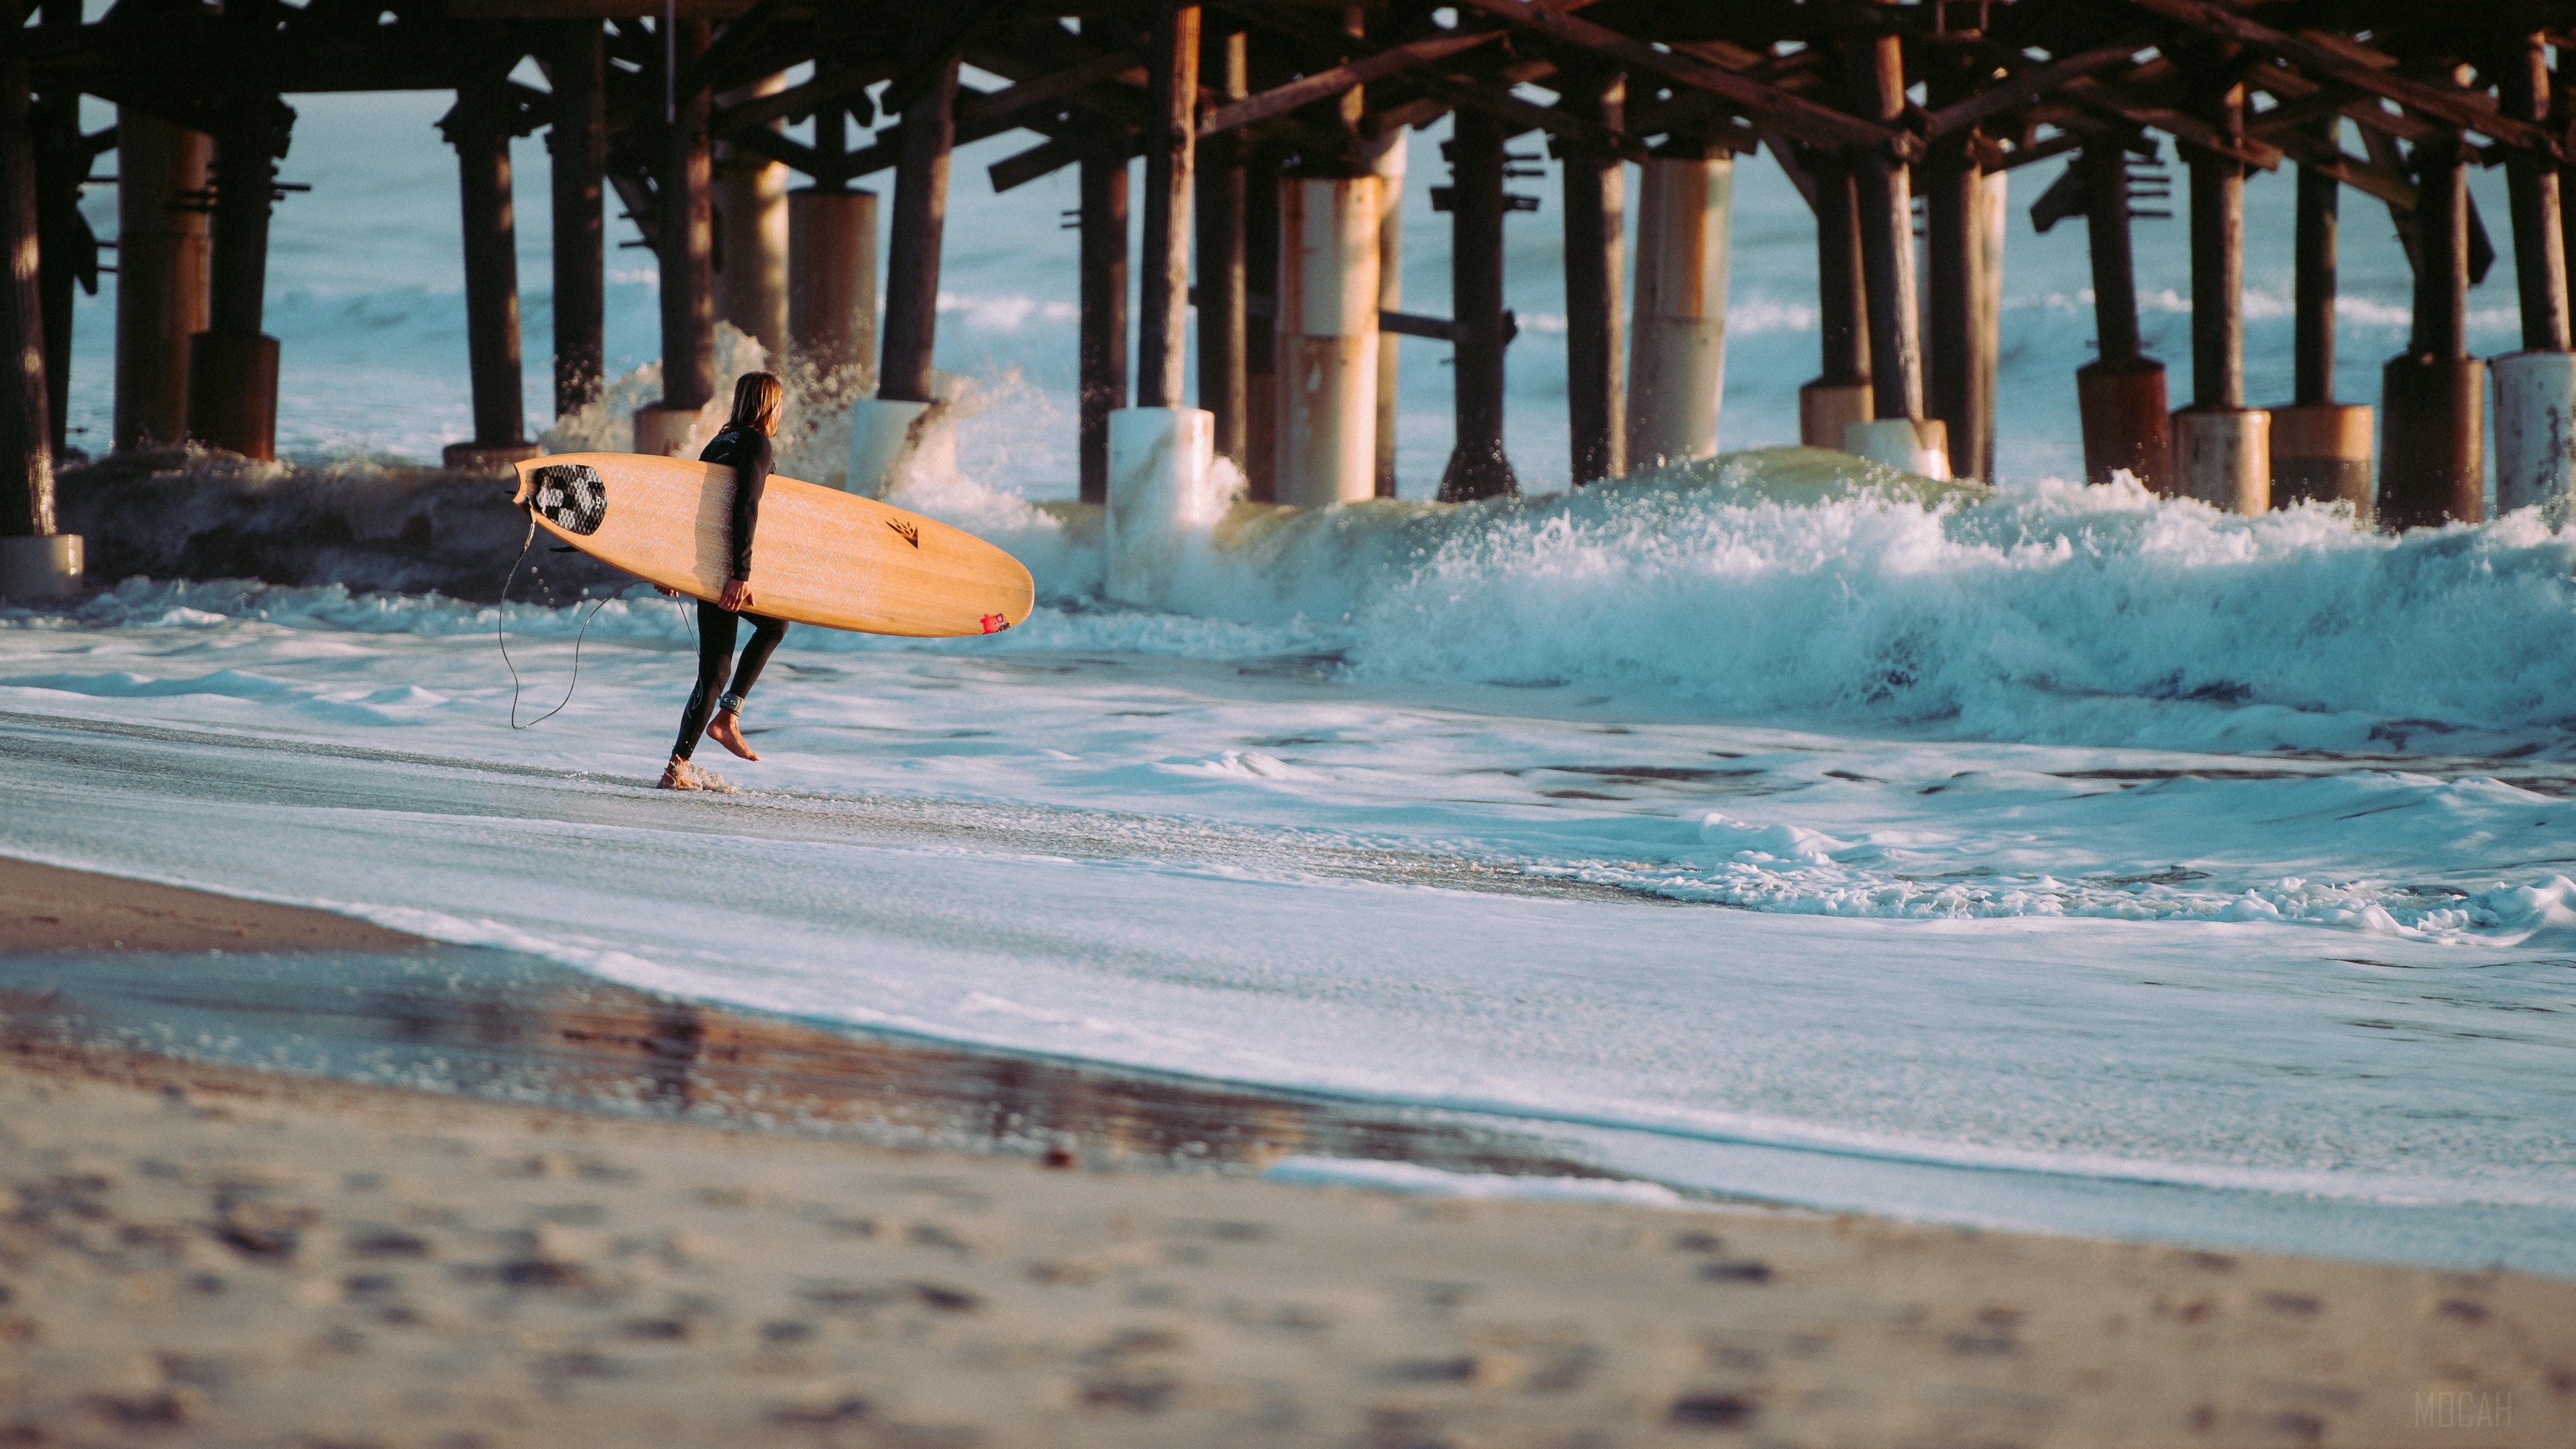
(757, 397)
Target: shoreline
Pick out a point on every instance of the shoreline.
(249, 1254)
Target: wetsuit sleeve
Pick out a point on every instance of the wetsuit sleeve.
(750, 480)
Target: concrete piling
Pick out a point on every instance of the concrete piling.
(2535, 401)
(1677, 341)
(161, 254)
(2535, 389)
(1328, 339)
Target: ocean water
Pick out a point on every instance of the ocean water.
(2063, 858)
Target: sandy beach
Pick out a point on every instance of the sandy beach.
(210, 1254)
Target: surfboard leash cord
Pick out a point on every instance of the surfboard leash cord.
(501, 613)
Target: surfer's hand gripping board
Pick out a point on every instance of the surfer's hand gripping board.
(819, 556)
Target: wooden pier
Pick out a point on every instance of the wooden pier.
(1271, 202)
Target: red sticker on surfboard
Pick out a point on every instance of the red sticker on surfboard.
(995, 623)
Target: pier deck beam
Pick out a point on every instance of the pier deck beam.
(751, 226)
(232, 367)
(684, 216)
(2222, 449)
(1478, 467)
(1221, 252)
(479, 129)
(1841, 395)
(2121, 393)
(161, 248)
(2432, 445)
(577, 147)
(1677, 341)
(1102, 339)
(2535, 389)
(1328, 339)
(1596, 243)
(2321, 449)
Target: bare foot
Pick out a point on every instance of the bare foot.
(726, 730)
(679, 775)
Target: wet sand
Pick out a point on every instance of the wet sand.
(201, 1252)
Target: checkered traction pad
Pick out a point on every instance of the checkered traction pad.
(572, 497)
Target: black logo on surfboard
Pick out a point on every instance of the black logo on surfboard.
(572, 497)
(909, 532)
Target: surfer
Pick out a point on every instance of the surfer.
(714, 710)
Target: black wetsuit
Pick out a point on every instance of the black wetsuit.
(746, 451)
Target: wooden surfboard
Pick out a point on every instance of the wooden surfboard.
(818, 555)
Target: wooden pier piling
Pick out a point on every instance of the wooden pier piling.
(1841, 395)
(1102, 336)
(750, 207)
(35, 560)
(1957, 379)
(1388, 165)
(2222, 449)
(1478, 466)
(232, 367)
(1883, 187)
(2432, 447)
(685, 219)
(1262, 285)
(479, 128)
(2121, 393)
(1596, 244)
(912, 254)
(161, 253)
(577, 149)
(832, 263)
(1171, 158)
(26, 446)
(1223, 376)
(2321, 448)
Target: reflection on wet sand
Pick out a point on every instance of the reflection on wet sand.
(493, 1023)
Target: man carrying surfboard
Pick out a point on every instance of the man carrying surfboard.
(714, 710)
